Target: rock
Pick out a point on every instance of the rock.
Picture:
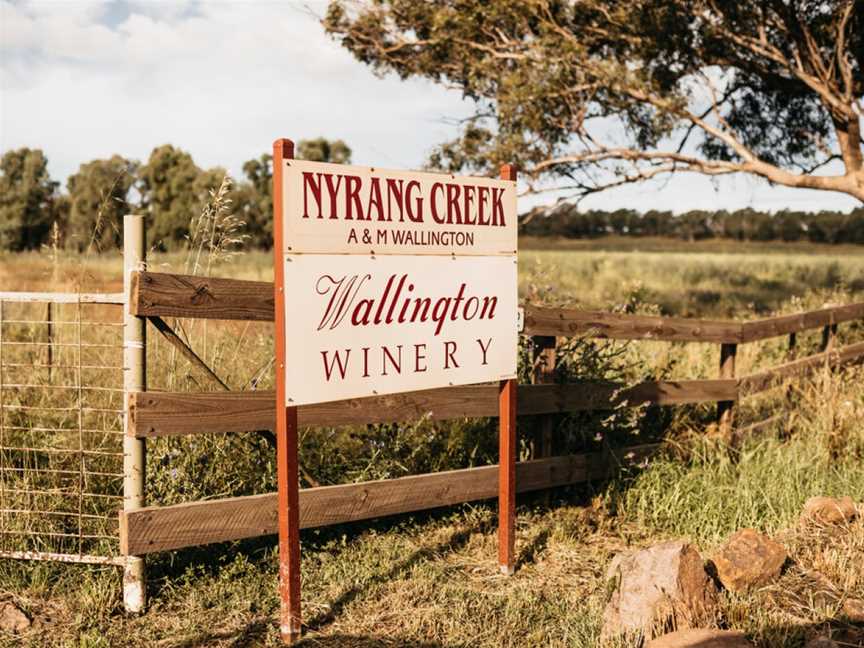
(701, 639)
(854, 610)
(654, 587)
(748, 559)
(12, 619)
(829, 510)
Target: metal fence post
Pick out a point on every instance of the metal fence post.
(49, 321)
(134, 380)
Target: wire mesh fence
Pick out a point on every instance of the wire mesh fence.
(61, 428)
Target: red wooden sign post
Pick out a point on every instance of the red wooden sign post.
(286, 428)
(359, 248)
(507, 457)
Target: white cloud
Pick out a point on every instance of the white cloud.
(17, 30)
(222, 79)
(165, 10)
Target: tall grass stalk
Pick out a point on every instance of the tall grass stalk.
(215, 236)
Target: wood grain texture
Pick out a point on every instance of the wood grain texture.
(615, 326)
(546, 399)
(726, 408)
(163, 294)
(764, 380)
(184, 525)
(507, 459)
(544, 362)
(157, 294)
(786, 324)
(287, 428)
(155, 414)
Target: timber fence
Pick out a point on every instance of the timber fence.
(152, 297)
(157, 414)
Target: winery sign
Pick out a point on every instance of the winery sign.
(388, 282)
(395, 281)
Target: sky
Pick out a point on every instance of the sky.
(223, 78)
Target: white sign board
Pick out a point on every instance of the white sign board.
(339, 209)
(395, 281)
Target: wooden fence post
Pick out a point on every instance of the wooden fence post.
(507, 449)
(726, 409)
(287, 464)
(544, 372)
(829, 337)
(507, 476)
(134, 380)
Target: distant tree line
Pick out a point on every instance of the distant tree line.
(741, 225)
(169, 187)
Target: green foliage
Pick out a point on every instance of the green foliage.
(688, 491)
(321, 149)
(216, 234)
(167, 184)
(786, 225)
(27, 197)
(97, 201)
(566, 89)
(254, 198)
(254, 201)
(428, 578)
(207, 466)
(173, 190)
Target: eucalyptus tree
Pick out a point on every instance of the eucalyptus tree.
(169, 195)
(254, 198)
(592, 94)
(27, 199)
(97, 201)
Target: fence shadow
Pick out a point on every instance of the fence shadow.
(359, 641)
(841, 633)
(256, 633)
(456, 540)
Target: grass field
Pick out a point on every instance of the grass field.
(430, 580)
(702, 279)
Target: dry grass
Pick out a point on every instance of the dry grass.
(430, 580)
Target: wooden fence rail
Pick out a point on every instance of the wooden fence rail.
(156, 294)
(619, 326)
(164, 414)
(776, 376)
(155, 414)
(185, 525)
(158, 414)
